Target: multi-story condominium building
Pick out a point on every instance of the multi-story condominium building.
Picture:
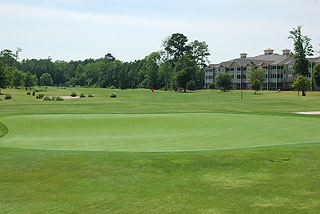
(278, 69)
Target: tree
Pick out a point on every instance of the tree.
(191, 85)
(176, 45)
(2, 77)
(224, 81)
(200, 52)
(302, 48)
(7, 57)
(30, 80)
(257, 74)
(18, 78)
(46, 80)
(316, 74)
(185, 69)
(153, 69)
(256, 85)
(301, 84)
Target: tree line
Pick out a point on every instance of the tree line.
(179, 65)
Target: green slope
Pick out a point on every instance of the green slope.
(157, 132)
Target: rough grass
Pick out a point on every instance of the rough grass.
(272, 179)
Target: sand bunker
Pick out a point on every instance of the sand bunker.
(69, 97)
(309, 113)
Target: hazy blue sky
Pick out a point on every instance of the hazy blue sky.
(132, 29)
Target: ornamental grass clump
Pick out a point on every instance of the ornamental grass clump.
(82, 96)
(73, 94)
(113, 95)
(40, 96)
(59, 99)
(46, 98)
(90, 95)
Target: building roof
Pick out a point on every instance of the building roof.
(315, 60)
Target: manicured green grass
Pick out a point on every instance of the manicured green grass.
(156, 132)
(59, 157)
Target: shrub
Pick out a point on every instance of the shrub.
(212, 85)
(59, 99)
(191, 85)
(46, 98)
(112, 87)
(1, 99)
(40, 96)
(82, 95)
(113, 95)
(28, 93)
(90, 95)
(7, 97)
(33, 93)
(73, 94)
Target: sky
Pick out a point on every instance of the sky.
(132, 29)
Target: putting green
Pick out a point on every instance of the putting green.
(156, 132)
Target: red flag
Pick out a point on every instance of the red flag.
(152, 89)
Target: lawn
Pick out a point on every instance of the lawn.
(167, 152)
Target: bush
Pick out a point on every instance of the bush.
(73, 94)
(33, 93)
(28, 93)
(59, 99)
(212, 85)
(46, 98)
(90, 95)
(113, 95)
(8, 97)
(191, 85)
(40, 96)
(1, 99)
(112, 87)
(82, 95)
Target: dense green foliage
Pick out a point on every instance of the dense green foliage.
(46, 80)
(302, 48)
(212, 85)
(224, 81)
(256, 85)
(158, 69)
(301, 84)
(191, 85)
(316, 74)
(257, 74)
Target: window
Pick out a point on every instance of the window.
(238, 69)
(238, 77)
(231, 69)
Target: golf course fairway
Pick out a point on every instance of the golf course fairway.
(156, 132)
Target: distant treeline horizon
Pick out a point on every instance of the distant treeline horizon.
(177, 65)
